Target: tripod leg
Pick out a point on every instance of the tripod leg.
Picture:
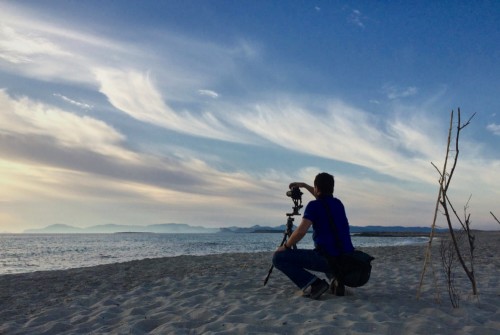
(268, 274)
(285, 236)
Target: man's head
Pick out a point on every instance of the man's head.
(324, 183)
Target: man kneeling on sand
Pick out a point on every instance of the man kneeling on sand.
(319, 213)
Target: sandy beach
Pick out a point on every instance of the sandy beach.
(224, 294)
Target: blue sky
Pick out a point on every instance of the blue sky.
(202, 112)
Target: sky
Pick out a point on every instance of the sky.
(203, 112)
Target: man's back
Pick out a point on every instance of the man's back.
(324, 238)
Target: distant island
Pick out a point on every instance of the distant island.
(181, 228)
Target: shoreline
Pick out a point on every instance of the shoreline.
(224, 294)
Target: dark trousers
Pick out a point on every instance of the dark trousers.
(295, 263)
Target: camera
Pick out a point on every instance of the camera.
(294, 193)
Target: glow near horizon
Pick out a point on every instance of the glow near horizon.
(100, 127)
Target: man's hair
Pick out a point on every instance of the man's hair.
(325, 183)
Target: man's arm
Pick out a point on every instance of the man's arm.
(297, 235)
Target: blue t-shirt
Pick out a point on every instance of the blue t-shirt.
(323, 236)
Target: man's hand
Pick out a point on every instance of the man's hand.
(303, 185)
(280, 248)
(296, 184)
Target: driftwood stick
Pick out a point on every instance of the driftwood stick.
(445, 202)
(442, 181)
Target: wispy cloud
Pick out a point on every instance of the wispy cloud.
(21, 48)
(137, 95)
(394, 92)
(41, 54)
(208, 93)
(344, 133)
(494, 128)
(23, 117)
(357, 18)
(82, 105)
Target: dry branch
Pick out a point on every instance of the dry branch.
(446, 205)
(494, 217)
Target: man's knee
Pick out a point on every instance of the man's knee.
(278, 259)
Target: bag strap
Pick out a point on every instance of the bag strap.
(333, 227)
(335, 262)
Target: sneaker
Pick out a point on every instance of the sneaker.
(319, 287)
(337, 288)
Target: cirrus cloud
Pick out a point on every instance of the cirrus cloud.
(494, 128)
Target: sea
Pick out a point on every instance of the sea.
(23, 253)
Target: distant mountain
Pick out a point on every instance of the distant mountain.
(56, 229)
(114, 228)
(185, 228)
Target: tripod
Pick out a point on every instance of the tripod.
(297, 201)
